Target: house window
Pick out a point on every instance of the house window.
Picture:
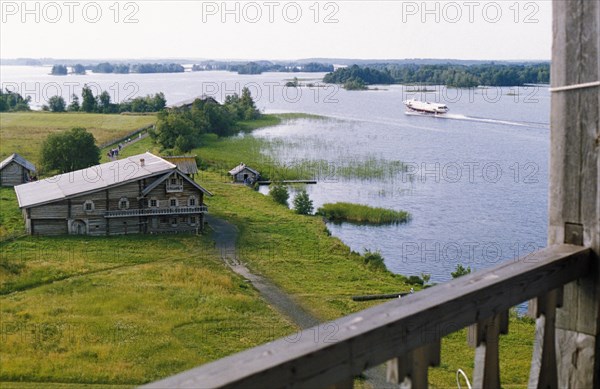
(153, 203)
(192, 201)
(193, 220)
(174, 222)
(173, 181)
(88, 206)
(173, 202)
(123, 203)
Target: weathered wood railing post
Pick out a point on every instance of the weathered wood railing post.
(543, 373)
(485, 337)
(574, 213)
(414, 366)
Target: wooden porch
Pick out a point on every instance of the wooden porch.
(156, 211)
(562, 281)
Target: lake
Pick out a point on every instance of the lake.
(475, 181)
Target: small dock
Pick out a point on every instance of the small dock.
(287, 182)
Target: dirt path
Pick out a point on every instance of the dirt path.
(225, 236)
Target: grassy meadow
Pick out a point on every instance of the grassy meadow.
(122, 310)
(24, 132)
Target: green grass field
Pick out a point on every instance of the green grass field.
(24, 132)
(122, 310)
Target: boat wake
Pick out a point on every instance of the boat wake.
(451, 116)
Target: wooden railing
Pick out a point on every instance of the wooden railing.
(156, 211)
(407, 332)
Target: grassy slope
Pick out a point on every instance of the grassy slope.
(23, 132)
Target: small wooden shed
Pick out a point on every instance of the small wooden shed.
(244, 174)
(16, 170)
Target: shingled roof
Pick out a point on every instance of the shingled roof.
(240, 168)
(92, 179)
(17, 159)
(187, 164)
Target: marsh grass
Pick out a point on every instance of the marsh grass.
(362, 214)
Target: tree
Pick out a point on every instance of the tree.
(176, 130)
(12, 101)
(56, 104)
(59, 70)
(70, 150)
(78, 69)
(104, 104)
(89, 103)
(247, 103)
(74, 106)
(460, 271)
(159, 100)
(280, 194)
(303, 205)
(426, 277)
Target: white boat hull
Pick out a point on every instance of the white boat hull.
(425, 107)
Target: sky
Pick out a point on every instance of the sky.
(278, 30)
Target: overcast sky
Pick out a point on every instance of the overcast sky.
(519, 30)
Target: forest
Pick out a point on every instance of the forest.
(459, 76)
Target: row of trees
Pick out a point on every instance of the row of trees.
(12, 102)
(102, 103)
(181, 128)
(356, 73)
(107, 67)
(460, 76)
(262, 66)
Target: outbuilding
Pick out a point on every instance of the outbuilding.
(244, 174)
(16, 170)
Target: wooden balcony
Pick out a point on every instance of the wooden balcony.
(407, 332)
(156, 212)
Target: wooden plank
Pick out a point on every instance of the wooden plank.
(543, 373)
(411, 369)
(574, 182)
(375, 335)
(486, 373)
